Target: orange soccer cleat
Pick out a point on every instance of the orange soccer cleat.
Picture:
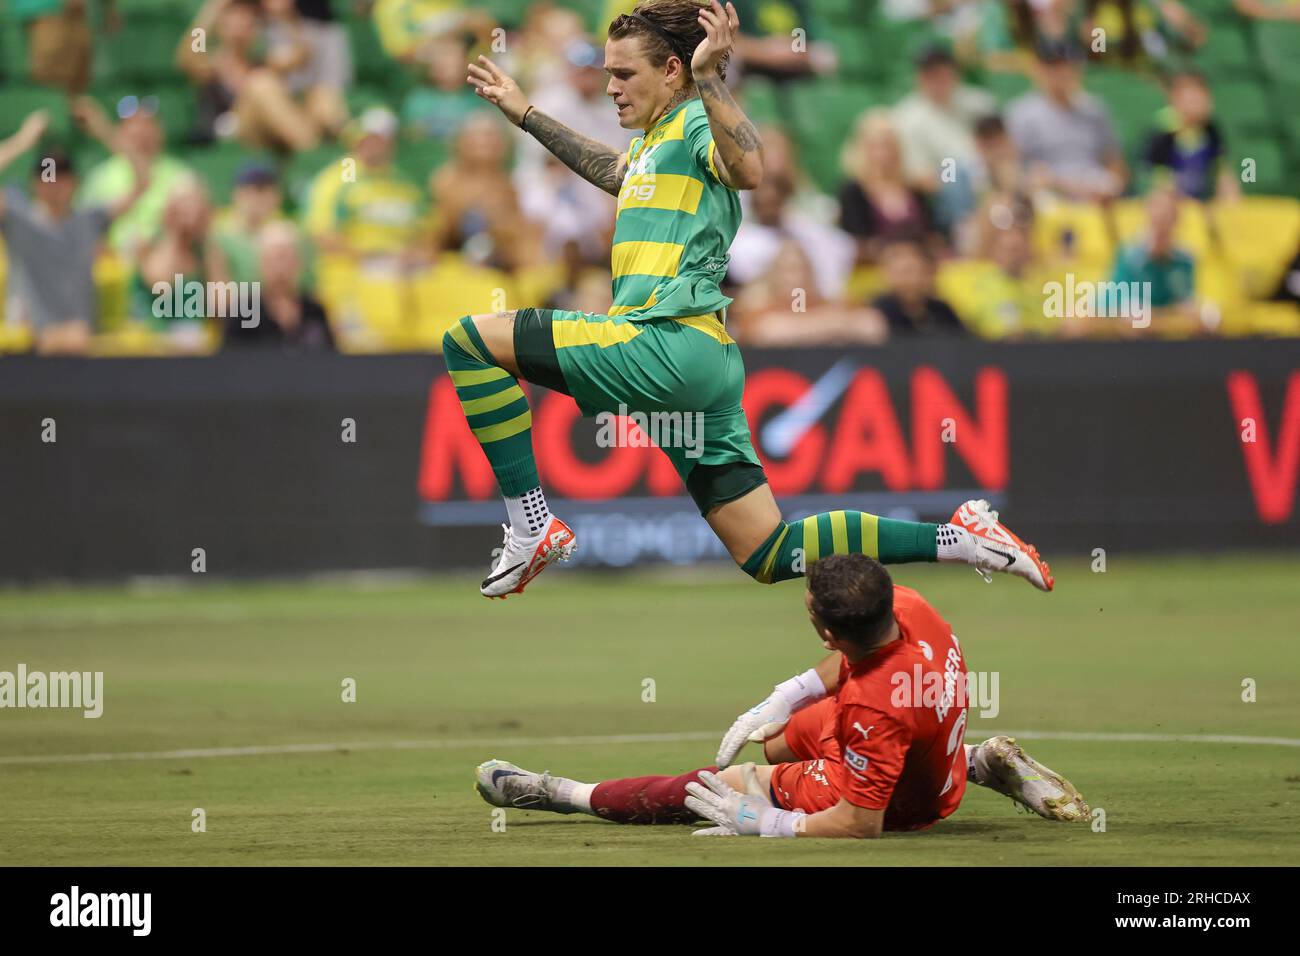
(522, 559)
(995, 548)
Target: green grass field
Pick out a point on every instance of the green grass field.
(1150, 647)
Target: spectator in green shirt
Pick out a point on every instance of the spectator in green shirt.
(1165, 272)
(137, 138)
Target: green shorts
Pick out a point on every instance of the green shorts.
(685, 375)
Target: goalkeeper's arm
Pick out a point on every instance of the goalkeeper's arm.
(768, 718)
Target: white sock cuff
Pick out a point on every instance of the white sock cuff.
(528, 513)
(952, 543)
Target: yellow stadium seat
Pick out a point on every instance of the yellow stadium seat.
(112, 281)
(1274, 318)
(1086, 222)
(1219, 290)
(865, 284)
(1258, 235)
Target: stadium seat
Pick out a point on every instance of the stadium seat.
(1226, 52)
(16, 102)
(823, 113)
(216, 167)
(1217, 287)
(1278, 43)
(13, 52)
(1272, 318)
(371, 63)
(1134, 103)
(1242, 106)
(419, 159)
(1257, 236)
(1080, 227)
(1007, 86)
(1269, 160)
(303, 168)
(1215, 12)
(19, 172)
(361, 98)
(760, 100)
(144, 53)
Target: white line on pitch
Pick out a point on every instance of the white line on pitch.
(595, 739)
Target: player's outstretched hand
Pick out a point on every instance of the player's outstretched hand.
(755, 725)
(499, 89)
(733, 813)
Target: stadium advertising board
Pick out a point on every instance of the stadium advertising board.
(117, 468)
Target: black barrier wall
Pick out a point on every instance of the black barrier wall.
(113, 468)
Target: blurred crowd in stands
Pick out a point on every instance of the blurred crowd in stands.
(933, 167)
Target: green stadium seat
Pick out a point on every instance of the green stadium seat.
(304, 167)
(418, 159)
(216, 166)
(760, 100)
(139, 52)
(1272, 177)
(1215, 12)
(1006, 86)
(361, 98)
(134, 11)
(13, 52)
(372, 64)
(1133, 101)
(1226, 52)
(16, 102)
(1242, 107)
(19, 172)
(839, 11)
(823, 113)
(509, 13)
(1279, 49)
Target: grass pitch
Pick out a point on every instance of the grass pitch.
(445, 680)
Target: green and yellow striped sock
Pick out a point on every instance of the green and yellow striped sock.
(494, 406)
(793, 546)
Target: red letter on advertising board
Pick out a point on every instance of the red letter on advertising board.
(568, 476)
(450, 448)
(1272, 474)
(868, 437)
(980, 440)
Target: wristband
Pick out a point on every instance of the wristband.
(524, 119)
(802, 689)
(780, 823)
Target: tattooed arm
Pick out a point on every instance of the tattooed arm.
(739, 154)
(596, 163)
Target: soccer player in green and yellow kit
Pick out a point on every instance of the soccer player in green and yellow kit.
(664, 345)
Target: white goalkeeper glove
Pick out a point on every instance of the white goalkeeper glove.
(737, 814)
(769, 718)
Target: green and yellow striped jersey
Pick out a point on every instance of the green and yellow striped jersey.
(676, 221)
